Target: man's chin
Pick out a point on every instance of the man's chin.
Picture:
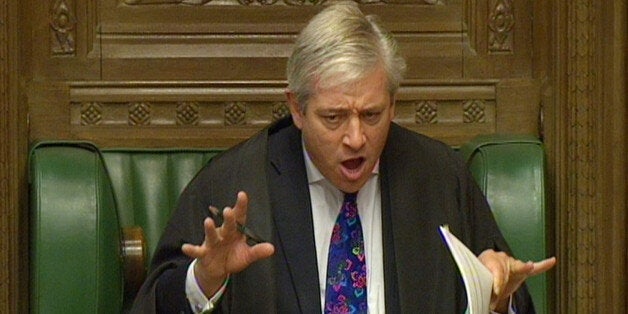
(351, 186)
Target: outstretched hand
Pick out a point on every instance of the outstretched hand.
(509, 274)
(224, 250)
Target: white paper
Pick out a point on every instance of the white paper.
(478, 280)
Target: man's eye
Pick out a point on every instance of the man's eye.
(371, 116)
(332, 118)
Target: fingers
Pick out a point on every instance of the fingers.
(498, 264)
(237, 214)
(224, 249)
(242, 204)
(211, 233)
(211, 238)
(509, 273)
(192, 251)
(519, 272)
(543, 266)
(501, 273)
(518, 268)
(261, 251)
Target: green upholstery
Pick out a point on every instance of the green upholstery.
(81, 197)
(510, 171)
(147, 184)
(75, 252)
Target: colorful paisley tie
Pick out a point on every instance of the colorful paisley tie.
(346, 265)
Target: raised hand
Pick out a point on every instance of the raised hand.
(225, 250)
(508, 275)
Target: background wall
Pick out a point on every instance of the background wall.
(199, 72)
(210, 73)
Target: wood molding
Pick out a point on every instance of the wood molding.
(258, 2)
(185, 113)
(5, 222)
(612, 245)
(589, 127)
(13, 247)
(577, 158)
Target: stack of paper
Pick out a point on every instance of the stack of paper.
(478, 280)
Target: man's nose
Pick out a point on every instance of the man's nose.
(354, 135)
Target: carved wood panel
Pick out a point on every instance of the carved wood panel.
(222, 40)
(64, 42)
(498, 37)
(147, 59)
(587, 156)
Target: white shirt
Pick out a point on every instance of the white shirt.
(326, 203)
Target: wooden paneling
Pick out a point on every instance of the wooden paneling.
(13, 180)
(586, 136)
(228, 41)
(210, 73)
(64, 43)
(498, 37)
(468, 66)
(222, 114)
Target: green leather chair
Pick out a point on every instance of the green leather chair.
(511, 172)
(75, 257)
(97, 214)
(87, 253)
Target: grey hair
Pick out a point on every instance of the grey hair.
(340, 46)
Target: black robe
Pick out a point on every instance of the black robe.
(424, 184)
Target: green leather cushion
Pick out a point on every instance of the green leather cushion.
(147, 184)
(80, 199)
(510, 171)
(75, 252)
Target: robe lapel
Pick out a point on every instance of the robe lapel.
(391, 287)
(251, 177)
(418, 272)
(291, 206)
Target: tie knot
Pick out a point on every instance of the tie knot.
(349, 208)
(350, 197)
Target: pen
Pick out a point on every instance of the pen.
(251, 237)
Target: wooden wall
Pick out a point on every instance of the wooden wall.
(210, 73)
(199, 73)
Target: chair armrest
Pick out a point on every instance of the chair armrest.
(75, 254)
(134, 254)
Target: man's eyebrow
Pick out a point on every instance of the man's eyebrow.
(332, 110)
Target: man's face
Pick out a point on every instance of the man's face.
(345, 129)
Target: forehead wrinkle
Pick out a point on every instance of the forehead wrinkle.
(349, 98)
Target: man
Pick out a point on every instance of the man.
(339, 149)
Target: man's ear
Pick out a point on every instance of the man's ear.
(392, 107)
(295, 109)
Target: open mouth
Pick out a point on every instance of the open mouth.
(353, 165)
